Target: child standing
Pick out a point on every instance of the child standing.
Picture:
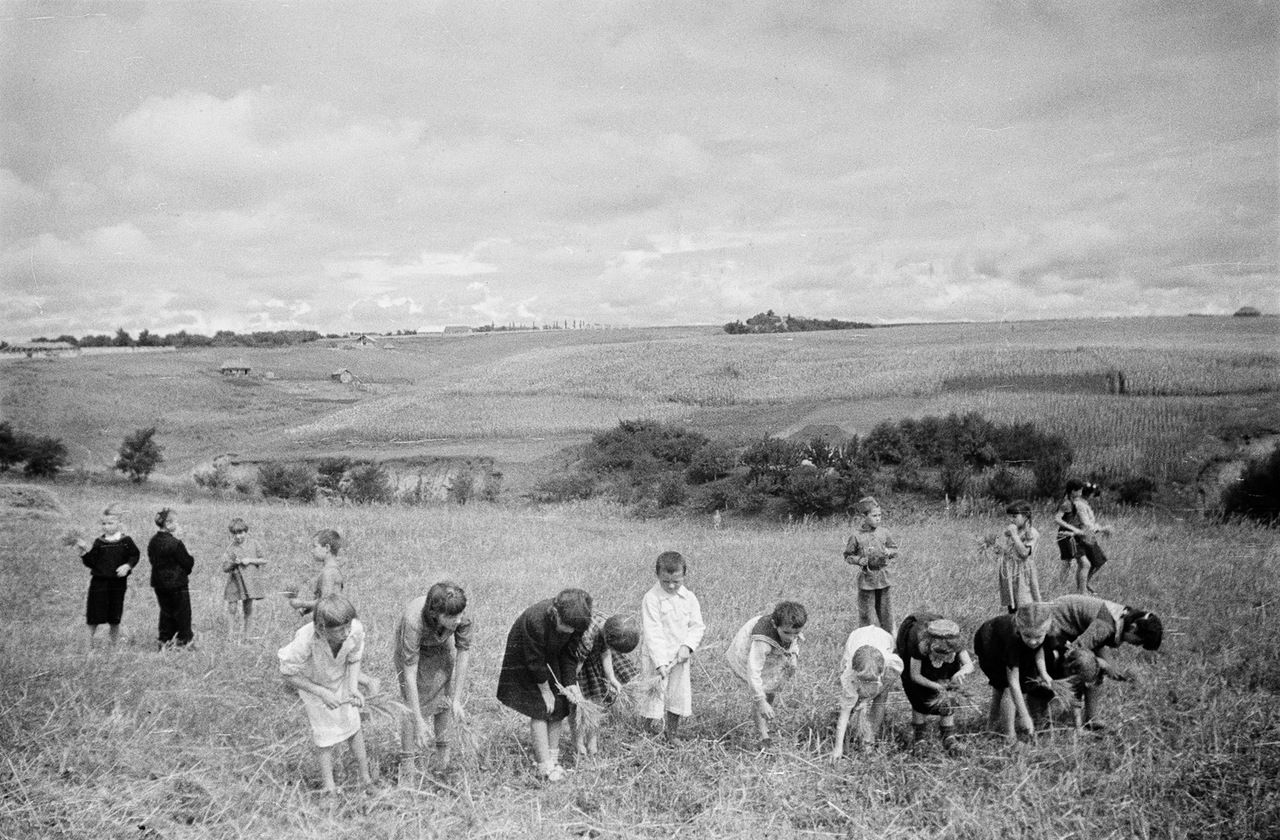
(432, 651)
(866, 666)
(110, 559)
(171, 566)
(1011, 653)
(539, 677)
(764, 655)
(323, 664)
(935, 659)
(870, 549)
(1078, 531)
(242, 562)
(1019, 582)
(671, 629)
(606, 667)
(325, 545)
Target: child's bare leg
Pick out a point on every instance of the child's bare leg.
(362, 757)
(578, 734)
(93, 631)
(672, 725)
(1090, 705)
(326, 770)
(762, 725)
(442, 723)
(539, 732)
(919, 722)
(248, 616)
(113, 634)
(993, 710)
(593, 743)
(554, 728)
(1008, 716)
(232, 616)
(1082, 575)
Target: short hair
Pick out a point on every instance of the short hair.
(114, 509)
(866, 504)
(1148, 626)
(867, 663)
(1074, 484)
(164, 517)
(622, 633)
(443, 598)
(238, 526)
(333, 611)
(789, 614)
(670, 562)
(573, 606)
(1021, 506)
(1032, 616)
(328, 538)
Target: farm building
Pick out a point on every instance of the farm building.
(457, 330)
(234, 367)
(363, 341)
(342, 375)
(43, 349)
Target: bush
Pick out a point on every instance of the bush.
(214, 477)
(329, 475)
(770, 460)
(287, 481)
(713, 461)
(808, 492)
(1134, 490)
(1257, 493)
(634, 442)
(564, 487)
(491, 487)
(462, 486)
(138, 454)
(671, 491)
(366, 483)
(45, 457)
(13, 447)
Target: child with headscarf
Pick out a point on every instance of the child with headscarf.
(936, 662)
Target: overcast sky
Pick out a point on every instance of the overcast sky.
(395, 165)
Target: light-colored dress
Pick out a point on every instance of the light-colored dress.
(310, 657)
(881, 640)
(244, 582)
(666, 623)
(1018, 577)
(759, 658)
(431, 654)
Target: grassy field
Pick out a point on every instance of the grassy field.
(520, 396)
(206, 744)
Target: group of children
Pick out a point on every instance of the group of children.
(563, 657)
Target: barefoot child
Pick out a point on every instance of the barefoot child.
(325, 545)
(671, 629)
(1078, 531)
(764, 654)
(539, 677)
(1011, 654)
(323, 664)
(1019, 583)
(870, 549)
(171, 566)
(867, 666)
(242, 562)
(432, 653)
(935, 660)
(606, 667)
(110, 560)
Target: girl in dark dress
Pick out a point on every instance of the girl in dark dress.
(171, 565)
(110, 560)
(930, 647)
(539, 677)
(1011, 654)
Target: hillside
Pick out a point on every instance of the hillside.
(521, 397)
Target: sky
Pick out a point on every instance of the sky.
(376, 166)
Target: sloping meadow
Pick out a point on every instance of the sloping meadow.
(206, 743)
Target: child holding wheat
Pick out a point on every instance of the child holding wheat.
(325, 545)
(110, 559)
(605, 671)
(866, 668)
(242, 563)
(539, 677)
(432, 651)
(323, 664)
(671, 629)
(764, 655)
(936, 663)
(871, 548)
(1019, 582)
(1011, 654)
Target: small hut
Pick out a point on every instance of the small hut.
(235, 367)
(343, 375)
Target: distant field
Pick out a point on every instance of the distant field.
(1186, 379)
(206, 744)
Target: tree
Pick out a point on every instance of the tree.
(13, 446)
(122, 339)
(45, 456)
(139, 454)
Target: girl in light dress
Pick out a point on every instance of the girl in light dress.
(242, 563)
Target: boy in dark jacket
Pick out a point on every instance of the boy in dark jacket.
(171, 566)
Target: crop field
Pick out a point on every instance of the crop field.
(207, 744)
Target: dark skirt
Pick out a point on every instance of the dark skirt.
(105, 603)
(517, 688)
(923, 700)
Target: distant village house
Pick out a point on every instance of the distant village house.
(235, 367)
(457, 329)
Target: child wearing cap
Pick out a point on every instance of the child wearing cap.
(866, 666)
(1089, 623)
(1011, 653)
(1019, 583)
(871, 548)
(936, 660)
(764, 654)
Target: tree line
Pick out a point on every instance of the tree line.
(768, 322)
(182, 338)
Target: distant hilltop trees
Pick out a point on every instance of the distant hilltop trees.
(768, 322)
(1248, 312)
(222, 338)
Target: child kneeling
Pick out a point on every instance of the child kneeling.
(323, 664)
(764, 654)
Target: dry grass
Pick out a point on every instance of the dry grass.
(206, 744)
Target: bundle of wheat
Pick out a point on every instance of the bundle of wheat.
(642, 691)
(69, 537)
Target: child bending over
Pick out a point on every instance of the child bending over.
(1011, 654)
(764, 654)
(866, 668)
(936, 660)
(606, 667)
